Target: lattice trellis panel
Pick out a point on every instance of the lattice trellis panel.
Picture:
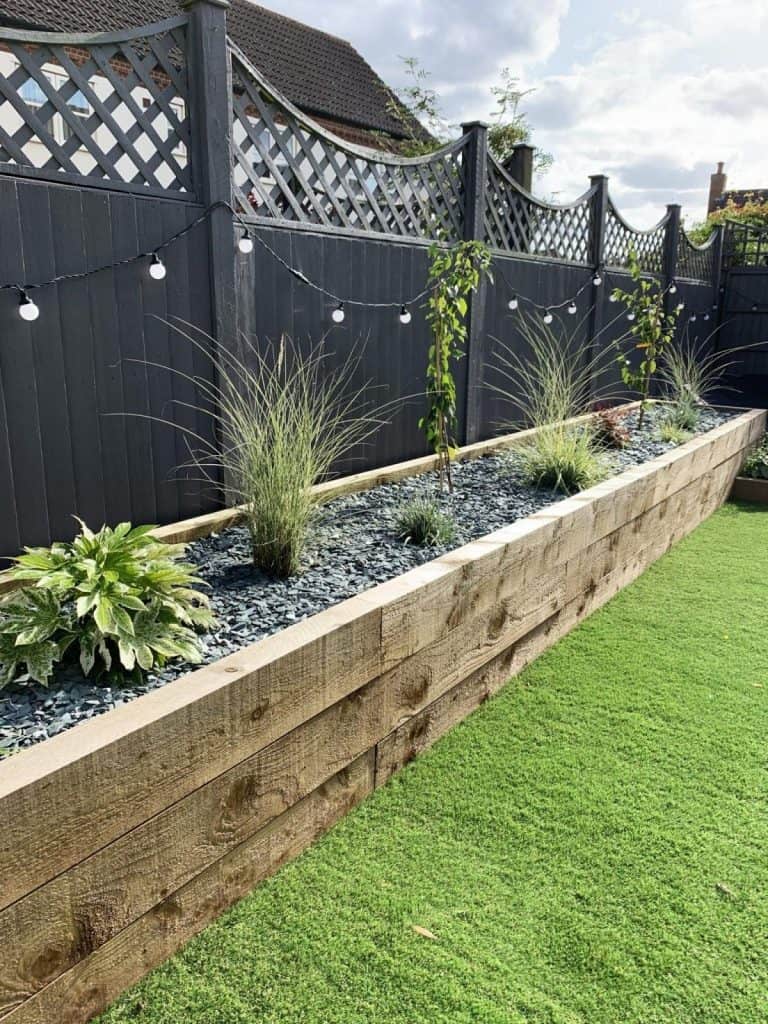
(287, 168)
(696, 263)
(112, 106)
(621, 239)
(516, 222)
(744, 245)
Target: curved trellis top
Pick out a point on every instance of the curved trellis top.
(516, 221)
(287, 166)
(695, 262)
(113, 110)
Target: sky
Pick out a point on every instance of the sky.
(653, 95)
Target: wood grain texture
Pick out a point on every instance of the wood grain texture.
(238, 705)
(103, 827)
(593, 577)
(89, 986)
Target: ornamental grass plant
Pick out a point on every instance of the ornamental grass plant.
(283, 417)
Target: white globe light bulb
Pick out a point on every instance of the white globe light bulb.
(338, 315)
(157, 269)
(405, 316)
(597, 280)
(28, 310)
(547, 317)
(630, 316)
(613, 298)
(513, 303)
(572, 308)
(245, 245)
(672, 288)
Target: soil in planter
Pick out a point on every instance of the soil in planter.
(352, 548)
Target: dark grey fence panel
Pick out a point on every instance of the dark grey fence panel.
(393, 356)
(549, 283)
(76, 384)
(744, 322)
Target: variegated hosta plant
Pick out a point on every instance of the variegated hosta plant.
(119, 600)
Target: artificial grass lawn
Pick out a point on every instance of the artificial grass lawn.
(591, 846)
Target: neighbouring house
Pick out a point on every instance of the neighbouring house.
(720, 196)
(321, 74)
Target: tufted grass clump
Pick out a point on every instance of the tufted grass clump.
(672, 433)
(684, 414)
(283, 417)
(562, 458)
(421, 522)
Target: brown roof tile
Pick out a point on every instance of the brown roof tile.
(318, 72)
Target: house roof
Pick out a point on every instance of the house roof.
(318, 72)
(740, 196)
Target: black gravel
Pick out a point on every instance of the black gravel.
(352, 548)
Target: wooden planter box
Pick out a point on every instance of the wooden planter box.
(121, 838)
(746, 489)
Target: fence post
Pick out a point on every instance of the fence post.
(475, 185)
(598, 217)
(718, 258)
(671, 243)
(519, 165)
(210, 102)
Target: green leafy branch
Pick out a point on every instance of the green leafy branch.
(652, 329)
(454, 274)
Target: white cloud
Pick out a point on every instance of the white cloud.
(654, 95)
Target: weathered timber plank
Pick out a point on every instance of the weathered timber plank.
(79, 791)
(597, 574)
(418, 612)
(214, 522)
(154, 745)
(95, 981)
(746, 489)
(99, 896)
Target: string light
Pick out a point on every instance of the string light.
(693, 318)
(27, 309)
(245, 244)
(157, 269)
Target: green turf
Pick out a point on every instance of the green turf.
(591, 846)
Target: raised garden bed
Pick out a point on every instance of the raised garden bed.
(124, 836)
(747, 489)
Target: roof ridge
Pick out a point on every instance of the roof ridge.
(301, 24)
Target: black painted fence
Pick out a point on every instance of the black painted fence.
(87, 400)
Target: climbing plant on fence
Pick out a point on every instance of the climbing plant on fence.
(455, 274)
